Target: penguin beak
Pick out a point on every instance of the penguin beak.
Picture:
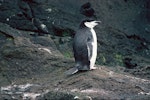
(98, 22)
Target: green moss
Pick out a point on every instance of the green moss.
(118, 59)
(110, 59)
(68, 54)
(66, 33)
(101, 59)
(9, 39)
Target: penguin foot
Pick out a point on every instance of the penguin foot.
(92, 68)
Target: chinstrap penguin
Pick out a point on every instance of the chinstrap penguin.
(84, 47)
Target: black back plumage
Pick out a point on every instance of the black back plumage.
(82, 36)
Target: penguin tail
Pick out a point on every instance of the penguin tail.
(72, 71)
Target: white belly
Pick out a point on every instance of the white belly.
(94, 53)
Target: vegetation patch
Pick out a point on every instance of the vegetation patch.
(62, 32)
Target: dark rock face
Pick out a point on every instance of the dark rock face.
(17, 46)
(148, 10)
(129, 64)
(87, 10)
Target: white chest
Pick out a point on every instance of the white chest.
(94, 36)
(94, 49)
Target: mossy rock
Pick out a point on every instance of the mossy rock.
(58, 96)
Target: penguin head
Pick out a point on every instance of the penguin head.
(89, 23)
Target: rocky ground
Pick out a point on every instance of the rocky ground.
(36, 50)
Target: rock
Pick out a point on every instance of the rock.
(148, 10)
(26, 10)
(63, 31)
(87, 10)
(42, 28)
(19, 46)
(129, 64)
(22, 92)
(58, 95)
(39, 1)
